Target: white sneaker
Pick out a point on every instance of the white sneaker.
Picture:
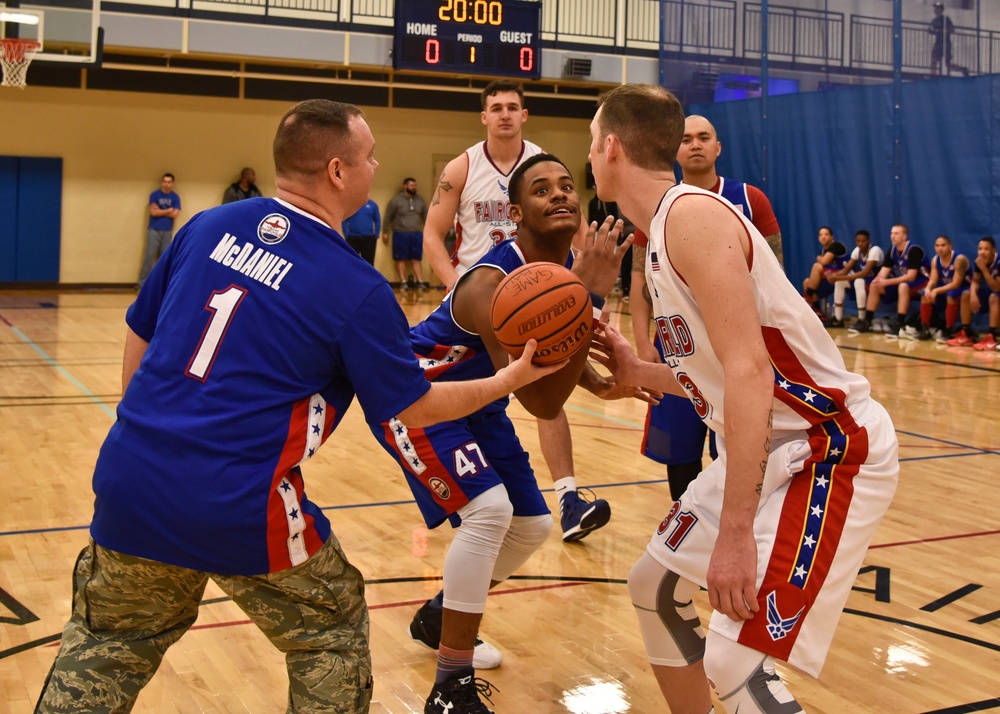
(486, 656)
(908, 333)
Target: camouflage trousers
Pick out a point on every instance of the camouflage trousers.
(127, 611)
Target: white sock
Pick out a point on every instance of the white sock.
(564, 485)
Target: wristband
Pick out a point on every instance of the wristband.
(598, 302)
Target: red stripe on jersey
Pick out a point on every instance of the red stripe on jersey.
(787, 363)
(450, 497)
(441, 354)
(790, 599)
(277, 522)
(645, 430)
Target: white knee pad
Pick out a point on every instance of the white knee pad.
(468, 567)
(525, 535)
(745, 680)
(839, 292)
(667, 617)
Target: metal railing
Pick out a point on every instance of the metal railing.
(699, 29)
(794, 34)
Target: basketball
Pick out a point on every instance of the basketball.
(545, 302)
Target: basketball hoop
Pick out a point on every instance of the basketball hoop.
(15, 56)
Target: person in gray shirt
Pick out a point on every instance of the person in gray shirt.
(404, 218)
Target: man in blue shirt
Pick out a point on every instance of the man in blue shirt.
(164, 206)
(245, 348)
(361, 230)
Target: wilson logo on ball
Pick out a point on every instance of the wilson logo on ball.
(545, 302)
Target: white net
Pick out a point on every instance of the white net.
(15, 56)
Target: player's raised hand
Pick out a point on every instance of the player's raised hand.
(600, 257)
(610, 348)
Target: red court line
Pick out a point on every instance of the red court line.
(8, 322)
(931, 540)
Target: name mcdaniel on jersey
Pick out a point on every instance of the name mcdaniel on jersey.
(256, 263)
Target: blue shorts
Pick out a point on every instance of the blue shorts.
(449, 464)
(984, 298)
(674, 434)
(407, 245)
(892, 291)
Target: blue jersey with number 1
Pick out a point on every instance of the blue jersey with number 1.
(262, 324)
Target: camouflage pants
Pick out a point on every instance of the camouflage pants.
(127, 611)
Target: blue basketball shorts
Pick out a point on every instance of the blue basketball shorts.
(449, 464)
(407, 245)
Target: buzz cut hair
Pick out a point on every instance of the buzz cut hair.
(648, 121)
(311, 135)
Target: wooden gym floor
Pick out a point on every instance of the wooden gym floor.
(921, 632)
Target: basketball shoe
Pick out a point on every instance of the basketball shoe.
(834, 322)
(459, 694)
(426, 629)
(961, 339)
(860, 327)
(987, 343)
(579, 516)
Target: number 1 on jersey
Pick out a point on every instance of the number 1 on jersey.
(223, 306)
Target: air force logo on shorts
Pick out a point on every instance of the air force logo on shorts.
(273, 229)
(778, 627)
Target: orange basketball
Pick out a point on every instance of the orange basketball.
(545, 302)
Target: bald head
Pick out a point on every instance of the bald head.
(698, 151)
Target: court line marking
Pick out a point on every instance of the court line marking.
(101, 404)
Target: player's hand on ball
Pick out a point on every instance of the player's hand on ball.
(610, 389)
(600, 259)
(522, 371)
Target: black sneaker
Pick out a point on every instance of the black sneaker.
(459, 694)
(834, 322)
(426, 629)
(580, 513)
(860, 326)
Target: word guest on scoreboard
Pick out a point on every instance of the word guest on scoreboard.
(496, 38)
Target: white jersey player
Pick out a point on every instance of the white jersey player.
(482, 219)
(777, 527)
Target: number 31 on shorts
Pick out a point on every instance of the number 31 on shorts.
(679, 524)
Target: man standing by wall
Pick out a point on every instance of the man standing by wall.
(404, 218)
(164, 206)
(361, 230)
(244, 188)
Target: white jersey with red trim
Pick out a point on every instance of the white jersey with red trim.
(482, 220)
(811, 382)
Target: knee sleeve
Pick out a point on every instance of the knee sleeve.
(839, 291)
(668, 620)
(745, 679)
(469, 564)
(861, 292)
(525, 535)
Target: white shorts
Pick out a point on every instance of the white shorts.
(824, 493)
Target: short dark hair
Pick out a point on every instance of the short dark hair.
(517, 178)
(311, 135)
(945, 237)
(648, 121)
(408, 179)
(989, 239)
(826, 228)
(501, 85)
(903, 226)
(246, 172)
(864, 233)
(169, 176)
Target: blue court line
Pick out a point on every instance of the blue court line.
(59, 368)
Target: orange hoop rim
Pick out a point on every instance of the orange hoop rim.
(15, 48)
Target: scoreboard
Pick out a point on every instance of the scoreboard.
(494, 38)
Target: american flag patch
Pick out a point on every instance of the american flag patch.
(654, 262)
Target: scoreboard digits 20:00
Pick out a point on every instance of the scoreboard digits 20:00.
(482, 37)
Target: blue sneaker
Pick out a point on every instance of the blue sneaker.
(579, 517)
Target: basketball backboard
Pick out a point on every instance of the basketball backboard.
(68, 30)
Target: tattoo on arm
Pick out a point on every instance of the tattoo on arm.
(767, 451)
(443, 185)
(774, 240)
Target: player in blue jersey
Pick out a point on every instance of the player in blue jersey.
(948, 282)
(674, 435)
(248, 342)
(984, 293)
(903, 275)
(830, 261)
(473, 471)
